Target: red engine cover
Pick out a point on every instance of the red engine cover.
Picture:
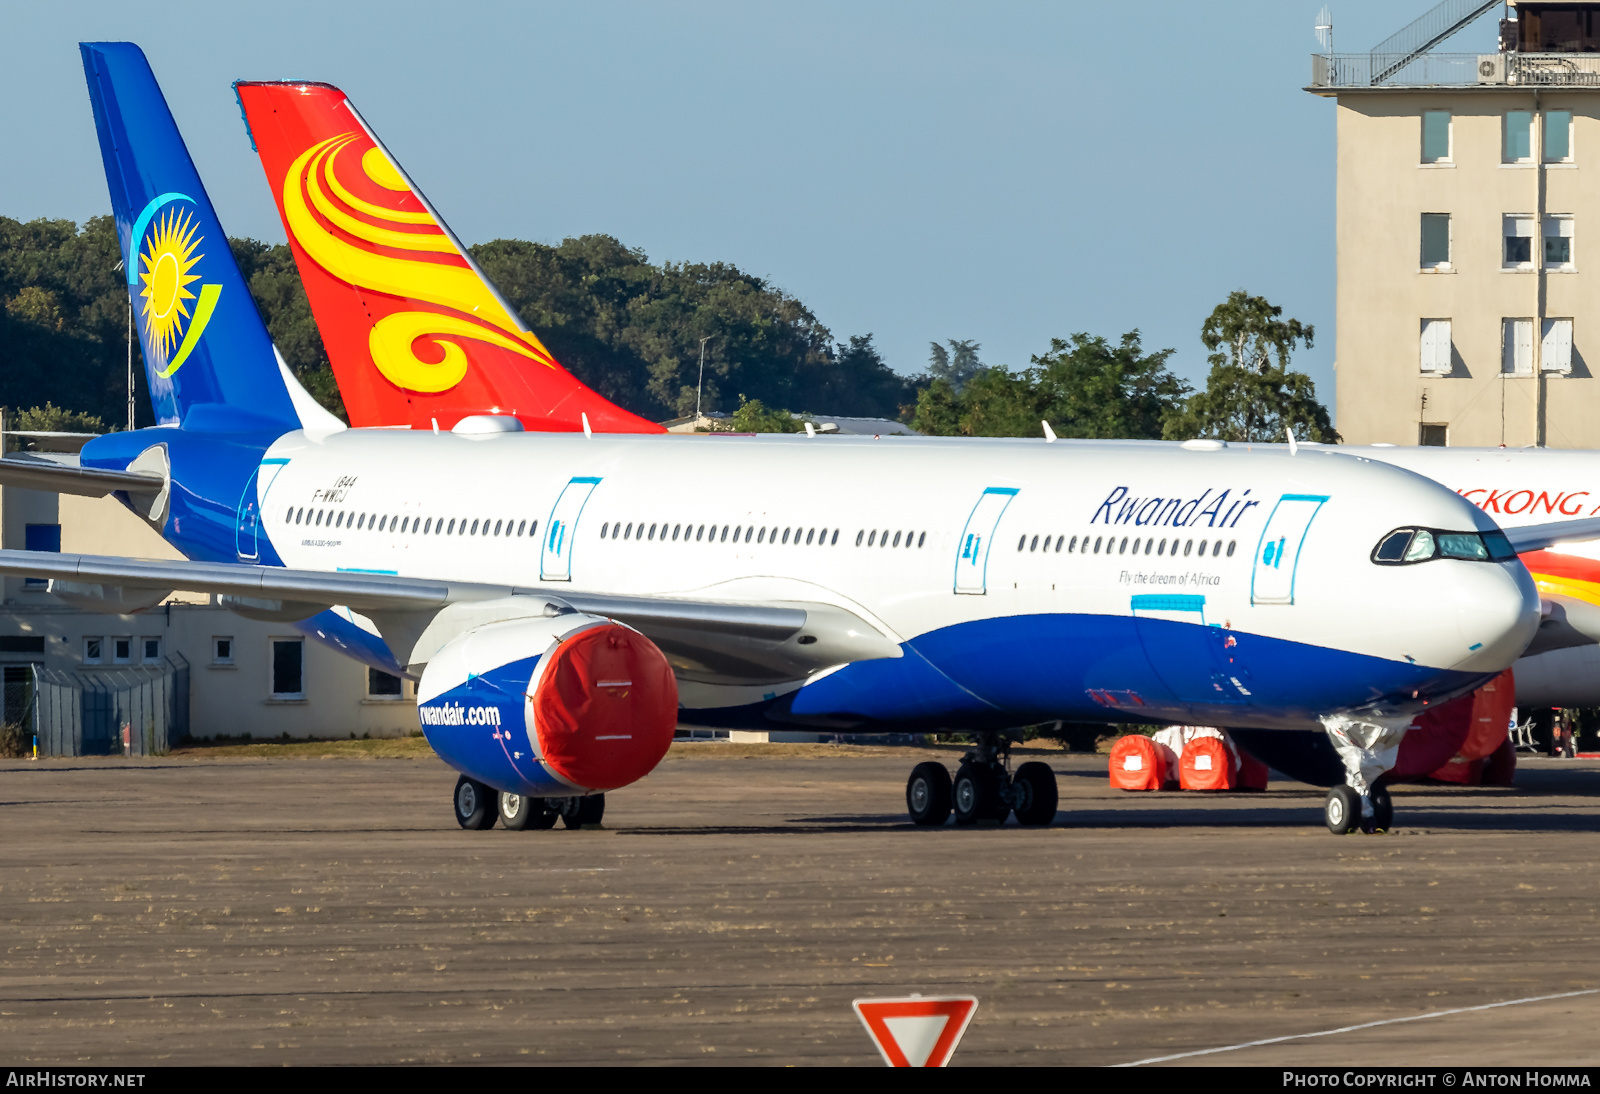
(605, 708)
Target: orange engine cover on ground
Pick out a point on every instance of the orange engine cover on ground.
(1206, 764)
(1137, 763)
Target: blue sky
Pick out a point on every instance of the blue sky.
(1001, 172)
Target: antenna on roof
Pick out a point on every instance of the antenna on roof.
(1324, 29)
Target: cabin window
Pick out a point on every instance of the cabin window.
(605, 530)
(834, 542)
(858, 538)
(1231, 544)
(748, 532)
(497, 527)
(1148, 544)
(1097, 544)
(872, 538)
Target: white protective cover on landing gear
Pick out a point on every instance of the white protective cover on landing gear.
(1368, 744)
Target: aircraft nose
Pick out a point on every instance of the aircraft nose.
(1497, 613)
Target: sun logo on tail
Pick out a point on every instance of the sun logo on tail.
(165, 268)
(167, 261)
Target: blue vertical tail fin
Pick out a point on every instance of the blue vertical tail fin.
(208, 358)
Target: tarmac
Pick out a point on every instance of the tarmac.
(200, 909)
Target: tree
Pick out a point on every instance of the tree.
(956, 365)
(54, 419)
(856, 382)
(1083, 385)
(274, 283)
(1251, 393)
(753, 417)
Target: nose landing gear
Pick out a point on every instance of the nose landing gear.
(984, 789)
(1344, 811)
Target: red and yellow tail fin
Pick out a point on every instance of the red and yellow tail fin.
(415, 332)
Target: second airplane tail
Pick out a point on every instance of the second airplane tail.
(415, 332)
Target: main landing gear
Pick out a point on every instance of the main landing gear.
(478, 806)
(984, 789)
(1342, 810)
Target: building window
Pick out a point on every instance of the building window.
(94, 651)
(1558, 243)
(1558, 136)
(1434, 435)
(222, 650)
(383, 685)
(121, 651)
(1516, 355)
(1436, 136)
(1555, 346)
(149, 650)
(1436, 346)
(1435, 241)
(288, 668)
(1518, 231)
(1517, 147)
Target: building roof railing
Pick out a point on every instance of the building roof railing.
(1332, 72)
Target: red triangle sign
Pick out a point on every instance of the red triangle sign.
(917, 1030)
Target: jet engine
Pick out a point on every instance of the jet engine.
(551, 706)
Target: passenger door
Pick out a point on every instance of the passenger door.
(1278, 552)
(972, 550)
(555, 556)
(248, 524)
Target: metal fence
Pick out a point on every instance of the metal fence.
(131, 712)
(1455, 70)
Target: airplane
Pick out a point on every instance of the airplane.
(564, 599)
(319, 155)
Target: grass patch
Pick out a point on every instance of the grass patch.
(381, 748)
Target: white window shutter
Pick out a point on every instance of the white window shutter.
(1436, 345)
(1517, 355)
(1555, 348)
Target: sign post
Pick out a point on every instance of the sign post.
(917, 1030)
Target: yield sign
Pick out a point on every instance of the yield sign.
(917, 1030)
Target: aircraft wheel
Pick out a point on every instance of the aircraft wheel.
(519, 812)
(1341, 811)
(928, 794)
(976, 794)
(475, 804)
(1382, 809)
(578, 812)
(1035, 793)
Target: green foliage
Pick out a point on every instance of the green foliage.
(628, 328)
(956, 365)
(275, 285)
(63, 318)
(1083, 386)
(1251, 393)
(631, 330)
(54, 419)
(754, 417)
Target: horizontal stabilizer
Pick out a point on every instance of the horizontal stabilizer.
(90, 482)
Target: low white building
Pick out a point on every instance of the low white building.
(245, 677)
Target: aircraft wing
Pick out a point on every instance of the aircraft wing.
(710, 640)
(59, 478)
(1536, 537)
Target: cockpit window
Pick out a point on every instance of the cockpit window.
(1421, 547)
(1407, 545)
